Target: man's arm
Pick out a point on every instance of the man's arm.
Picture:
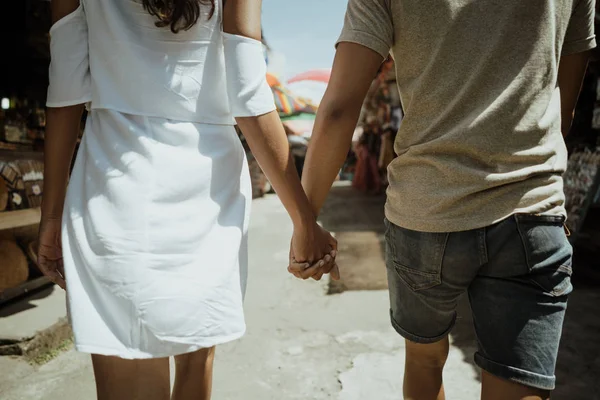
(579, 40)
(337, 117)
(571, 72)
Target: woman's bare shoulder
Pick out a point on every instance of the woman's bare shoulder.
(62, 8)
(242, 17)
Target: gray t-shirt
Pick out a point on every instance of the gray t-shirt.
(481, 136)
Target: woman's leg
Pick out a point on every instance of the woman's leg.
(193, 375)
(119, 379)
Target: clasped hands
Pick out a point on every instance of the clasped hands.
(313, 253)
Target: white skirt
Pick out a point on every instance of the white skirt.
(155, 236)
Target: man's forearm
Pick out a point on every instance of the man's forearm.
(571, 73)
(327, 152)
(337, 117)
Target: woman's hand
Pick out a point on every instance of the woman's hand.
(312, 254)
(62, 130)
(50, 259)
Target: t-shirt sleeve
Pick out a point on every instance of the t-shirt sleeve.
(580, 35)
(369, 23)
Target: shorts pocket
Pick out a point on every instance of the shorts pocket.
(548, 252)
(416, 257)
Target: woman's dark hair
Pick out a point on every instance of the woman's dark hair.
(177, 14)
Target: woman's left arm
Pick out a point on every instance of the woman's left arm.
(253, 107)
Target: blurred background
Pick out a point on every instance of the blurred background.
(306, 340)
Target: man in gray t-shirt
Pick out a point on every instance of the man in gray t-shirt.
(475, 202)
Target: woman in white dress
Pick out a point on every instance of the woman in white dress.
(150, 237)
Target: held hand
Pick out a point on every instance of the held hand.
(313, 252)
(316, 270)
(50, 259)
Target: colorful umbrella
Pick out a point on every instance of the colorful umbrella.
(286, 103)
(301, 124)
(317, 75)
(311, 107)
(272, 80)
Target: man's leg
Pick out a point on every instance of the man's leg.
(494, 388)
(519, 300)
(423, 370)
(427, 273)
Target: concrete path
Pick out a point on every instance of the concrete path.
(301, 343)
(23, 319)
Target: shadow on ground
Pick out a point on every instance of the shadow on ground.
(357, 221)
(578, 369)
(22, 304)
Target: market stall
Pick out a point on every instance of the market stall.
(22, 124)
(373, 144)
(582, 179)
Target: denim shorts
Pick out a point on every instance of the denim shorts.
(517, 274)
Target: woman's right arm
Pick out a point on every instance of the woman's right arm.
(62, 130)
(253, 107)
(68, 91)
(61, 8)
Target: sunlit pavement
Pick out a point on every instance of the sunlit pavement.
(301, 343)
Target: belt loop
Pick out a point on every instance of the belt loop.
(567, 231)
